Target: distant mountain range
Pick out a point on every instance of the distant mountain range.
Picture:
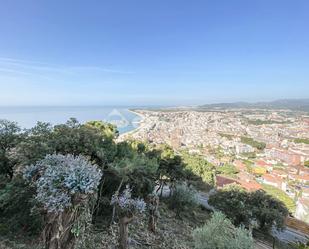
(290, 104)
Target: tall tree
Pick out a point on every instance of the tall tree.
(10, 135)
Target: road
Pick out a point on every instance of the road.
(290, 235)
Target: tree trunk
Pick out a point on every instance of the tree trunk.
(153, 204)
(97, 206)
(123, 232)
(162, 187)
(51, 233)
(57, 232)
(114, 207)
(152, 223)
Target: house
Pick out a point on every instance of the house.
(249, 185)
(286, 156)
(222, 181)
(240, 165)
(300, 178)
(279, 173)
(274, 181)
(262, 164)
(243, 148)
(302, 210)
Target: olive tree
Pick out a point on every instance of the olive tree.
(153, 211)
(127, 208)
(64, 185)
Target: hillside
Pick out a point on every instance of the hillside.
(172, 232)
(290, 104)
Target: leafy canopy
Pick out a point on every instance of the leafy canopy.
(10, 135)
(220, 233)
(248, 208)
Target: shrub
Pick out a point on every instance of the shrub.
(17, 212)
(227, 170)
(248, 208)
(301, 140)
(89, 140)
(64, 186)
(183, 197)
(220, 233)
(253, 143)
(232, 196)
(199, 166)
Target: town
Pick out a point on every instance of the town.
(265, 149)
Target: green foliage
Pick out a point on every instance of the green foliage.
(306, 164)
(170, 165)
(267, 211)
(142, 182)
(139, 172)
(227, 169)
(88, 140)
(250, 207)
(109, 131)
(253, 143)
(35, 145)
(183, 198)
(261, 122)
(236, 197)
(228, 136)
(94, 140)
(249, 155)
(220, 233)
(280, 195)
(199, 166)
(9, 138)
(301, 140)
(135, 167)
(16, 209)
(299, 245)
(124, 150)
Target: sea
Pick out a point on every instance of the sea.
(27, 116)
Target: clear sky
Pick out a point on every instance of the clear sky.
(152, 52)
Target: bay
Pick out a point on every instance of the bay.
(27, 116)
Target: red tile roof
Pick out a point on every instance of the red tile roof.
(248, 185)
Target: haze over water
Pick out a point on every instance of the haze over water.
(27, 117)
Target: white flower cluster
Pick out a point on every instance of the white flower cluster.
(59, 177)
(128, 204)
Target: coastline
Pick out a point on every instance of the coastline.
(139, 125)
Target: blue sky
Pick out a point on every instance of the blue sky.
(154, 52)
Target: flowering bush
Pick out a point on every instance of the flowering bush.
(59, 178)
(128, 204)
